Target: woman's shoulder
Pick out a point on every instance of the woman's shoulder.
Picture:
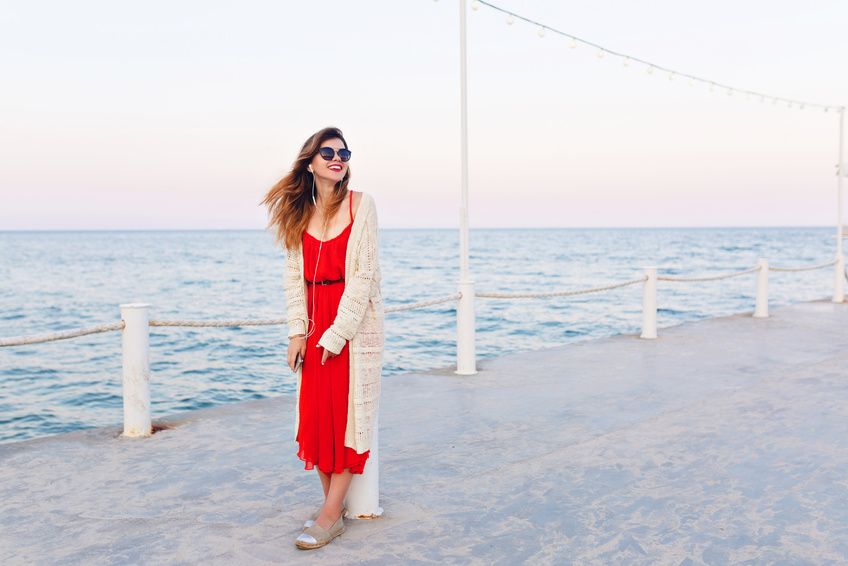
(361, 201)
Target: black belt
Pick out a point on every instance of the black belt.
(325, 282)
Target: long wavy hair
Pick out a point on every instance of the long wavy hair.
(290, 203)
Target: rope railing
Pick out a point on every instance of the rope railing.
(106, 327)
(710, 277)
(803, 268)
(61, 335)
(218, 323)
(422, 304)
(559, 293)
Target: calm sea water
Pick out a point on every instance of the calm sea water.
(60, 280)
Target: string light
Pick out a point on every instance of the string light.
(475, 5)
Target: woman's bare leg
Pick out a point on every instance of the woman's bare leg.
(330, 513)
(325, 482)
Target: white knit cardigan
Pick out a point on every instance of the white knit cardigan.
(359, 321)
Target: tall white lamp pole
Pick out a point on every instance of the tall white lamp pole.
(841, 171)
(466, 354)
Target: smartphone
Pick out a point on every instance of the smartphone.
(297, 363)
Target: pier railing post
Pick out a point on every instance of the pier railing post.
(761, 309)
(363, 497)
(649, 304)
(466, 351)
(135, 350)
(838, 281)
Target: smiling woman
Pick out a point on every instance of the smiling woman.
(332, 285)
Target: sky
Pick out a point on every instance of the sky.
(181, 115)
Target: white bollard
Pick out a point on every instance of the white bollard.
(761, 310)
(466, 352)
(838, 281)
(363, 497)
(649, 304)
(135, 349)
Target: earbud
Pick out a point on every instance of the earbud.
(309, 168)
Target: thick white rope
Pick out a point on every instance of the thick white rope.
(710, 278)
(218, 323)
(559, 293)
(61, 335)
(423, 304)
(802, 268)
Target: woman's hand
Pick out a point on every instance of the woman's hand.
(297, 345)
(326, 355)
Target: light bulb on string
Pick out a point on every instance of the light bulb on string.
(730, 92)
(510, 20)
(712, 87)
(691, 82)
(802, 107)
(671, 77)
(762, 99)
(774, 101)
(627, 62)
(542, 32)
(747, 96)
(573, 43)
(789, 105)
(651, 70)
(600, 54)
(475, 5)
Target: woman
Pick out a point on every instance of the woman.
(335, 319)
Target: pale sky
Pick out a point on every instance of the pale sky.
(180, 115)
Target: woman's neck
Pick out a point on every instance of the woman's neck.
(324, 192)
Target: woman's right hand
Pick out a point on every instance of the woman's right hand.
(297, 345)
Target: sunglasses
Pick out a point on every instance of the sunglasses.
(328, 153)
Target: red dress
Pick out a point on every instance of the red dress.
(324, 388)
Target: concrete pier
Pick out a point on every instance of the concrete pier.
(725, 441)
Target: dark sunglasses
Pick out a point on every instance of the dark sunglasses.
(328, 153)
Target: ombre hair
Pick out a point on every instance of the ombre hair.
(290, 203)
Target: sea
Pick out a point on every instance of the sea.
(52, 281)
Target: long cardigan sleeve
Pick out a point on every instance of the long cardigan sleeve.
(359, 321)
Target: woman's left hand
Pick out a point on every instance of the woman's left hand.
(326, 355)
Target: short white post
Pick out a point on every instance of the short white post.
(761, 310)
(838, 279)
(135, 349)
(649, 304)
(466, 351)
(363, 497)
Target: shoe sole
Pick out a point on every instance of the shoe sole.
(308, 546)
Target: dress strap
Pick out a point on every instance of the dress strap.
(350, 195)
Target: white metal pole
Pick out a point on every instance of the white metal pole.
(363, 497)
(135, 353)
(838, 281)
(761, 310)
(649, 303)
(466, 354)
